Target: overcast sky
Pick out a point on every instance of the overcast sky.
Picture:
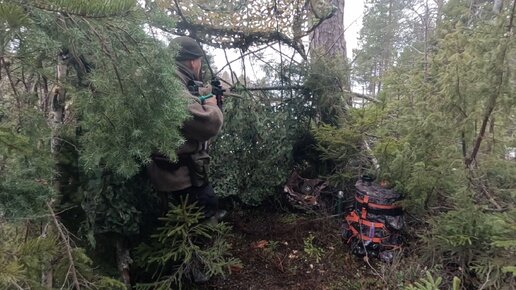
(353, 13)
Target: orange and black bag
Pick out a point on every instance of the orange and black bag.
(373, 227)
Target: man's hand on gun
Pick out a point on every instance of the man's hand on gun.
(213, 93)
(218, 91)
(206, 95)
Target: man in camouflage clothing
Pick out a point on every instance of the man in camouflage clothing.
(189, 175)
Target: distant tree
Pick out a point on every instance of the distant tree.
(378, 43)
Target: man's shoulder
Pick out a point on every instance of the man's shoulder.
(183, 78)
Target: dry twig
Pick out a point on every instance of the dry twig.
(66, 240)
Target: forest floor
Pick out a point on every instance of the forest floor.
(293, 251)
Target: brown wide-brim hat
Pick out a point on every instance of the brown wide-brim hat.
(188, 48)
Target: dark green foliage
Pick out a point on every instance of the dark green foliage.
(343, 146)
(253, 155)
(26, 170)
(117, 205)
(122, 92)
(468, 237)
(268, 134)
(122, 102)
(87, 8)
(23, 254)
(128, 117)
(327, 79)
(185, 244)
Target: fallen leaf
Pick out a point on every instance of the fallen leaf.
(236, 268)
(260, 244)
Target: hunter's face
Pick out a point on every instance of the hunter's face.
(196, 67)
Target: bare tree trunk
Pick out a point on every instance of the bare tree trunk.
(329, 36)
(56, 120)
(327, 40)
(123, 260)
(57, 98)
(47, 273)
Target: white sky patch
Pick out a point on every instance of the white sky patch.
(353, 15)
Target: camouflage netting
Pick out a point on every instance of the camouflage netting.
(242, 23)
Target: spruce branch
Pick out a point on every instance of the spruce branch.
(28, 219)
(18, 286)
(109, 54)
(481, 186)
(86, 9)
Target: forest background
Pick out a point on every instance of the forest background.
(87, 93)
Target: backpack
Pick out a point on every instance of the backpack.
(373, 227)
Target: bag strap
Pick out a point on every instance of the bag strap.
(353, 218)
(381, 209)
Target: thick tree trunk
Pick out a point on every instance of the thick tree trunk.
(327, 41)
(328, 37)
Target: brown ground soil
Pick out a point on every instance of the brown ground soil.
(276, 253)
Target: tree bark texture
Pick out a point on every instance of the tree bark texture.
(58, 105)
(329, 36)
